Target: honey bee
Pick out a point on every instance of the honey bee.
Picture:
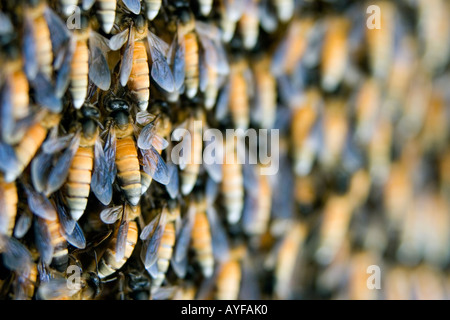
(293, 46)
(17, 158)
(367, 107)
(249, 24)
(151, 142)
(334, 53)
(232, 186)
(258, 203)
(236, 94)
(230, 13)
(286, 258)
(83, 45)
(16, 114)
(37, 45)
(53, 230)
(119, 249)
(336, 219)
(228, 282)
(134, 69)
(192, 145)
(202, 228)
(379, 150)
(335, 132)
(123, 149)
(305, 132)
(186, 61)
(76, 167)
(381, 41)
(213, 62)
(433, 26)
(159, 240)
(265, 93)
(8, 205)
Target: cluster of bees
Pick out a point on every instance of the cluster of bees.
(92, 92)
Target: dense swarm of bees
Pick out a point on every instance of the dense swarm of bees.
(91, 95)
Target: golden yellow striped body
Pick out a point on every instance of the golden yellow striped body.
(201, 241)
(212, 88)
(381, 41)
(78, 184)
(228, 281)
(249, 27)
(267, 91)
(260, 224)
(44, 53)
(191, 64)
(31, 142)
(190, 173)
(106, 11)
(108, 264)
(60, 251)
(9, 200)
(127, 162)
(165, 252)
(335, 53)
(286, 259)
(152, 8)
(239, 104)
(79, 72)
(232, 187)
(139, 81)
(20, 97)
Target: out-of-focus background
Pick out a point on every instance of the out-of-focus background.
(360, 94)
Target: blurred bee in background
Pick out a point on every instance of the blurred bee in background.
(17, 157)
(334, 52)
(16, 115)
(8, 204)
(236, 94)
(203, 231)
(306, 132)
(213, 63)
(159, 239)
(249, 24)
(265, 100)
(186, 59)
(258, 202)
(232, 186)
(191, 144)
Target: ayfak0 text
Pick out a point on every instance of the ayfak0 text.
(240, 309)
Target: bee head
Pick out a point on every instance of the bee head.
(89, 117)
(140, 22)
(119, 110)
